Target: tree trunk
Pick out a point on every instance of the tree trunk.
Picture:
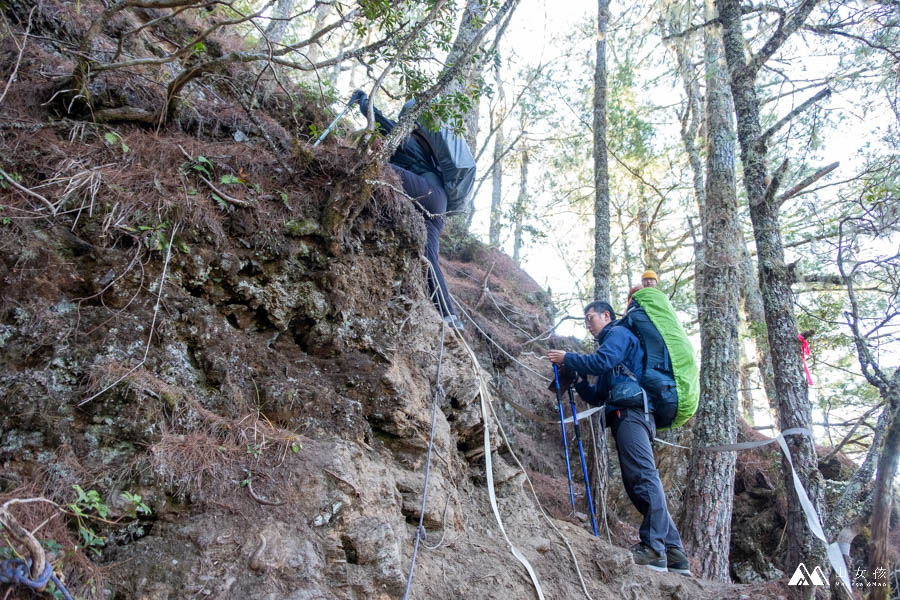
(792, 400)
(746, 393)
(755, 317)
(601, 162)
(521, 208)
(629, 257)
(497, 174)
(709, 492)
(315, 50)
(472, 20)
(275, 30)
(648, 249)
(880, 525)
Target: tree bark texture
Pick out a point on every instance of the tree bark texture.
(648, 248)
(521, 209)
(473, 19)
(276, 29)
(601, 162)
(709, 492)
(497, 174)
(880, 525)
(792, 399)
(630, 259)
(315, 50)
(755, 317)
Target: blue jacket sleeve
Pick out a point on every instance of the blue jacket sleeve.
(587, 392)
(612, 351)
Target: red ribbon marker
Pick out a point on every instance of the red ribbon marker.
(804, 352)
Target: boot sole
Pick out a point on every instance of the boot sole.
(685, 572)
(655, 568)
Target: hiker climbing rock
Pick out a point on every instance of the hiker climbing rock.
(618, 364)
(419, 163)
(649, 279)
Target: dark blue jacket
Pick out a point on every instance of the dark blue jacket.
(409, 155)
(616, 345)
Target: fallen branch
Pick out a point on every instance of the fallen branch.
(24, 189)
(211, 186)
(15, 70)
(224, 196)
(257, 497)
(25, 538)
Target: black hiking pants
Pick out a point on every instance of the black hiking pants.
(641, 479)
(428, 190)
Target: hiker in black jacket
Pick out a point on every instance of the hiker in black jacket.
(660, 547)
(421, 181)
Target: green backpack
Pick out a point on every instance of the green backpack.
(668, 356)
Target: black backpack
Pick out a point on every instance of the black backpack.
(658, 379)
(457, 165)
(454, 159)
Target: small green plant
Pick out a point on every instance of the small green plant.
(254, 450)
(88, 501)
(112, 138)
(314, 131)
(201, 166)
(296, 447)
(136, 502)
(85, 504)
(157, 239)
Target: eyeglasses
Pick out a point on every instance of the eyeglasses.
(588, 318)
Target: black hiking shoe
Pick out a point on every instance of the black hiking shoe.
(678, 561)
(648, 557)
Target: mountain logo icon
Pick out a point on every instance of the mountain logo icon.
(802, 576)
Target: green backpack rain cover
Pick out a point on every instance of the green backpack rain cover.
(681, 353)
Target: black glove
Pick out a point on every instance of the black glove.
(567, 377)
(360, 97)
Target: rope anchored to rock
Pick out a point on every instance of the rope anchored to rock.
(19, 570)
(420, 530)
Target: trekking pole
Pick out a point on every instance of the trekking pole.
(333, 123)
(562, 423)
(587, 483)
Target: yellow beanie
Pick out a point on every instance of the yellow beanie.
(648, 274)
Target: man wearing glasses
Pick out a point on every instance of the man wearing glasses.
(660, 547)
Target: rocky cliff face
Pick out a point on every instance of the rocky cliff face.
(181, 321)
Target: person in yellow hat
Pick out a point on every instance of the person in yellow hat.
(649, 279)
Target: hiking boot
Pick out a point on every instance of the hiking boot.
(678, 561)
(648, 557)
(454, 322)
